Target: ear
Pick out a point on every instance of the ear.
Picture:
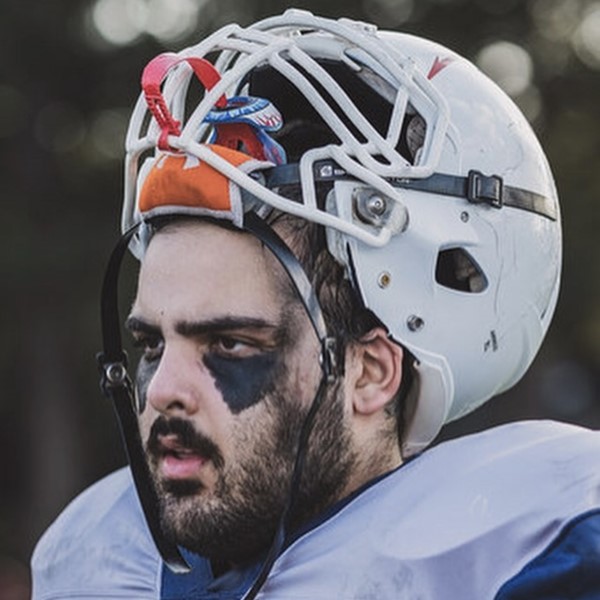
(379, 363)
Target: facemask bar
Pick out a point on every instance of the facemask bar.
(364, 49)
(244, 50)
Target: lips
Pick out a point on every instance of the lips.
(176, 460)
(179, 453)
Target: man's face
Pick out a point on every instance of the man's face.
(228, 370)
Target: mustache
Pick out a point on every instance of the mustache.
(187, 437)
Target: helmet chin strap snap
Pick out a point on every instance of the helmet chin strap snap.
(116, 384)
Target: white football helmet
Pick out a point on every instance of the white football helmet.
(442, 206)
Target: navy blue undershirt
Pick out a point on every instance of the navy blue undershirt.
(569, 569)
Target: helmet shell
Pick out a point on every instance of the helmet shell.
(470, 342)
(471, 345)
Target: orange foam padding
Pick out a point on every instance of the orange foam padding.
(182, 180)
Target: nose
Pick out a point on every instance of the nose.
(178, 382)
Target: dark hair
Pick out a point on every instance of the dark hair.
(347, 319)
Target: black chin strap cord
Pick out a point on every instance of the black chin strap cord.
(280, 534)
(116, 385)
(255, 225)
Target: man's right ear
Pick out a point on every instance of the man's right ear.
(380, 371)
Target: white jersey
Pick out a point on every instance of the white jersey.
(509, 514)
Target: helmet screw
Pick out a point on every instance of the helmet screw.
(326, 171)
(115, 373)
(376, 205)
(464, 216)
(384, 279)
(371, 207)
(415, 323)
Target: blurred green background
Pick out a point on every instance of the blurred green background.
(69, 74)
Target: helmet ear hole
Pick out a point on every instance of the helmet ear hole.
(456, 269)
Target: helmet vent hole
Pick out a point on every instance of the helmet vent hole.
(456, 269)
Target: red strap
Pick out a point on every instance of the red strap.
(152, 78)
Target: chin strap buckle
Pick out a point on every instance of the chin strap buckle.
(485, 189)
(113, 373)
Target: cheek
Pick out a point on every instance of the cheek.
(243, 382)
(145, 421)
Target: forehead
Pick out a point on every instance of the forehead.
(193, 267)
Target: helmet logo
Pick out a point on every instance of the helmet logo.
(438, 65)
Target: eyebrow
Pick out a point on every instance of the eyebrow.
(137, 325)
(194, 328)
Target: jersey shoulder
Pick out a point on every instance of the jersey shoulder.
(99, 546)
(568, 568)
(458, 521)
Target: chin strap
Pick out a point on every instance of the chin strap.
(476, 188)
(282, 527)
(255, 225)
(116, 384)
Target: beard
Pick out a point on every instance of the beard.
(237, 521)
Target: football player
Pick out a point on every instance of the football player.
(348, 238)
